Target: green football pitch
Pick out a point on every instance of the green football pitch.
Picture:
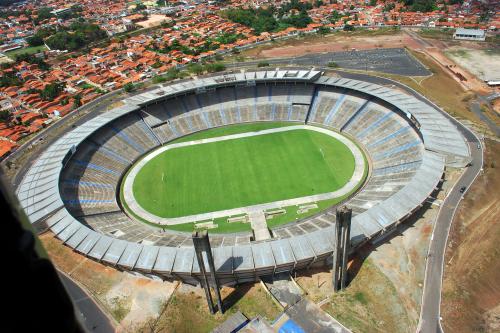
(241, 172)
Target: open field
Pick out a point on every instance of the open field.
(128, 299)
(28, 50)
(153, 20)
(140, 304)
(369, 304)
(485, 64)
(241, 172)
(334, 42)
(187, 310)
(471, 287)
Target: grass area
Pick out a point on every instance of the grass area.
(247, 171)
(436, 33)
(370, 304)
(29, 50)
(187, 310)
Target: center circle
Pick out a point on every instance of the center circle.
(226, 171)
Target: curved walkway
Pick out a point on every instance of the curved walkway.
(134, 206)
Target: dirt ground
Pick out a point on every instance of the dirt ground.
(139, 304)
(130, 300)
(187, 310)
(385, 291)
(485, 64)
(471, 286)
(331, 43)
(153, 20)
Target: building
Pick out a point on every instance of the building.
(469, 34)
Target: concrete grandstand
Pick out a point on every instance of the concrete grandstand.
(73, 188)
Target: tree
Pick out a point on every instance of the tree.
(77, 101)
(5, 115)
(195, 69)
(421, 5)
(9, 80)
(215, 67)
(129, 87)
(373, 3)
(52, 90)
(318, 3)
(263, 64)
(348, 27)
(35, 40)
(323, 30)
(80, 35)
(44, 13)
(32, 59)
(140, 7)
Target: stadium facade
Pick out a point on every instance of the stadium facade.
(73, 188)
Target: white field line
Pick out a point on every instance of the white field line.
(137, 209)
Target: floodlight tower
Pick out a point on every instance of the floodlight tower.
(202, 245)
(342, 247)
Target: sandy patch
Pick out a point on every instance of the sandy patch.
(485, 64)
(142, 298)
(154, 20)
(332, 43)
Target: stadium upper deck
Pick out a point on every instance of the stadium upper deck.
(72, 186)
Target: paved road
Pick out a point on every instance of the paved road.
(91, 315)
(430, 312)
(476, 108)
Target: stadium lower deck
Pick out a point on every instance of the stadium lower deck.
(73, 188)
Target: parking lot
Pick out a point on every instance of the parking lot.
(391, 60)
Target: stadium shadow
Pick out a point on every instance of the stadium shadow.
(357, 259)
(236, 294)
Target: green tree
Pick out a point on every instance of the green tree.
(129, 87)
(215, 67)
(5, 115)
(9, 80)
(348, 27)
(52, 90)
(77, 101)
(324, 30)
(44, 13)
(32, 59)
(35, 40)
(195, 69)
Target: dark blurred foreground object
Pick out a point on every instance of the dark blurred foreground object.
(34, 299)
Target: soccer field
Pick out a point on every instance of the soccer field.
(241, 172)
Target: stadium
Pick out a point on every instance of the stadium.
(261, 159)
